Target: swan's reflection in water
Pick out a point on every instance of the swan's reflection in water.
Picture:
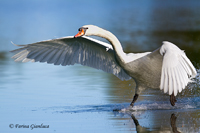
(141, 129)
(173, 123)
(160, 121)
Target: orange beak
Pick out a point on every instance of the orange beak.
(80, 33)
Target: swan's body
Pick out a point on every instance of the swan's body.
(166, 68)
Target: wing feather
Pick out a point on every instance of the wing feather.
(166, 81)
(177, 78)
(19, 54)
(177, 70)
(56, 56)
(61, 58)
(186, 67)
(184, 77)
(22, 56)
(170, 81)
(46, 55)
(180, 76)
(69, 50)
(34, 53)
(175, 82)
(52, 55)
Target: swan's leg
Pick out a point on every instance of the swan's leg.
(172, 99)
(134, 99)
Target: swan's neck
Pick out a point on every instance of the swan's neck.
(119, 53)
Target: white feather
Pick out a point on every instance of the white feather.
(177, 69)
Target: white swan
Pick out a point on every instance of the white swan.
(167, 68)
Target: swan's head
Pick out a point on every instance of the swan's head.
(88, 30)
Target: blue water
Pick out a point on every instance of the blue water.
(82, 99)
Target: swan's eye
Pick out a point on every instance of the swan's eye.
(80, 29)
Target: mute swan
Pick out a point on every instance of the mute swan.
(167, 68)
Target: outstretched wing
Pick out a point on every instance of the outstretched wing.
(69, 50)
(177, 70)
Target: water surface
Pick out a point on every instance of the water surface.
(82, 99)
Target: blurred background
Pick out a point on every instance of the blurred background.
(140, 25)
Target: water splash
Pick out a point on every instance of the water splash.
(197, 79)
(183, 103)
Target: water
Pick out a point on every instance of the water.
(38, 97)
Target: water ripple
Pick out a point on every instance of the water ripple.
(184, 103)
